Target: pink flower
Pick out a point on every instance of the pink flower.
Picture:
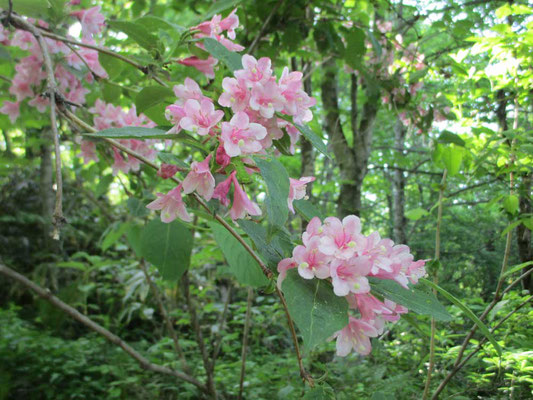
(384, 26)
(11, 109)
(228, 44)
(355, 336)
(297, 189)
(200, 179)
(20, 88)
(119, 164)
(266, 98)
(189, 90)
(40, 103)
(171, 206)
(311, 262)
(222, 190)
(236, 95)
(91, 20)
(348, 276)
(283, 266)
(240, 136)
(313, 229)
(242, 205)
(91, 58)
(222, 157)
(255, 71)
(167, 171)
(88, 151)
(230, 23)
(200, 117)
(174, 114)
(206, 66)
(341, 238)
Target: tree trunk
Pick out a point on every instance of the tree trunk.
(308, 156)
(523, 234)
(398, 188)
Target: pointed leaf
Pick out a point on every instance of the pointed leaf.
(277, 185)
(151, 96)
(481, 326)
(133, 132)
(316, 310)
(241, 263)
(232, 60)
(414, 299)
(168, 247)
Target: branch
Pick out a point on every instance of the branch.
(58, 219)
(303, 373)
(435, 280)
(199, 337)
(263, 28)
(72, 312)
(245, 340)
(476, 350)
(162, 309)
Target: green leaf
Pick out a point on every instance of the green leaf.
(515, 268)
(134, 236)
(316, 310)
(154, 24)
(277, 186)
(449, 137)
(103, 185)
(414, 299)
(151, 96)
(169, 158)
(283, 145)
(112, 65)
(29, 8)
(218, 7)
(241, 263)
(510, 203)
(481, 326)
(133, 132)
(231, 59)
(114, 235)
(322, 392)
(416, 214)
(309, 134)
(273, 251)
(157, 114)
(355, 47)
(168, 247)
(137, 207)
(452, 156)
(307, 209)
(136, 32)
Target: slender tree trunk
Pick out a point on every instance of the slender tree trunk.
(398, 188)
(45, 183)
(523, 234)
(7, 140)
(308, 156)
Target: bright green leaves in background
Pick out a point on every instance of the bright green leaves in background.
(240, 262)
(231, 59)
(316, 310)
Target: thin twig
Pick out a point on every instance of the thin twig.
(199, 336)
(263, 28)
(435, 280)
(517, 281)
(245, 339)
(58, 218)
(476, 350)
(218, 337)
(166, 318)
(72, 312)
(73, 118)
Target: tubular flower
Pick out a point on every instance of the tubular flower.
(200, 117)
(171, 206)
(240, 136)
(200, 179)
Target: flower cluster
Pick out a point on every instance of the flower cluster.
(30, 70)
(108, 116)
(254, 95)
(337, 250)
(214, 29)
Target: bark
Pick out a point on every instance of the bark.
(352, 161)
(523, 234)
(398, 188)
(7, 140)
(308, 156)
(45, 183)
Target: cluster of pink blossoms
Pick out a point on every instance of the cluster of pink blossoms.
(337, 250)
(254, 96)
(214, 29)
(30, 71)
(108, 116)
